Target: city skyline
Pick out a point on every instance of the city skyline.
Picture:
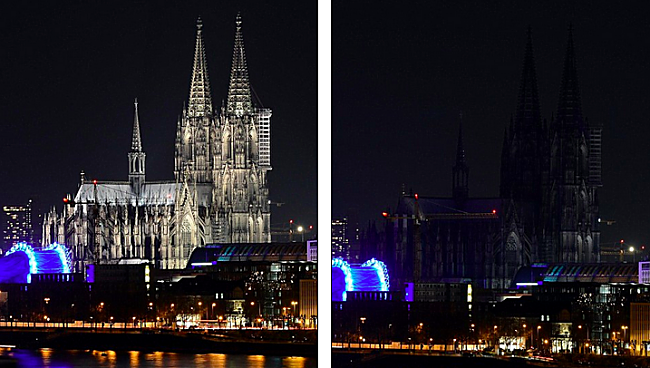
(406, 75)
(74, 71)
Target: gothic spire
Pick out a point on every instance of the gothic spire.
(528, 112)
(460, 171)
(505, 161)
(569, 107)
(136, 156)
(239, 92)
(200, 102)
(136, 142)
(460, 150)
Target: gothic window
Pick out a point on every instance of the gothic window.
(226, 146)
(186, 233)
(260, 229)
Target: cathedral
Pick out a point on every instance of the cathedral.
(547, 209)
(219, 193)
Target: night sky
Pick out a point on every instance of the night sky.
(69, 72)
(401, 75)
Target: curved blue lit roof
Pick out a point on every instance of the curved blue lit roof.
(369, 276)
(54, 258)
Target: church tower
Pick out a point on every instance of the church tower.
(241, 193)
(550, 174)
(136, 156)
(194, 162)
(570, 203)
(525, 141)
(194, 126)
(523, 159)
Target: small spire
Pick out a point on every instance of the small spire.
(460, 150)
(239, 92)
(136, 142)
(460, 171)
(200, 101)
(569, 107)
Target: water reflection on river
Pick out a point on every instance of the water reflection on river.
(50, 358)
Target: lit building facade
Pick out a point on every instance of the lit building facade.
(309, 302)
(17, 221)
(219, 192)
(340, 246)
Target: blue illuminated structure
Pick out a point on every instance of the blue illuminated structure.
(22, 260)
(369, 276)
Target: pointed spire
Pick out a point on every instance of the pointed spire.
(505, 149)
(136, 156)
(200, 102)
(569, 108)
(460, 150)
(460, 171)
(239, 92)
(136, 142)
(505, 161)
(528, 112)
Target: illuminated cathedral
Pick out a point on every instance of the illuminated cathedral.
(219, 193)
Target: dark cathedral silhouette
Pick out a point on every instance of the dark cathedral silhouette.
(547, 209)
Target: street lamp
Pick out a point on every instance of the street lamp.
(624, 328)
(294, 303)
(302, 234)
(538, 328)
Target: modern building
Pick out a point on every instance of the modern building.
(17, 225)
(308, 302)
(219, 192)
(226, 285)
(340, 245)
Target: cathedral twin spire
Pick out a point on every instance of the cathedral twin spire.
(528, 112)
(239, 93)
(569, 107)
(200, 102)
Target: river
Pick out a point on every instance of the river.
(55, 358)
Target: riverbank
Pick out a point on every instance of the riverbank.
(289, 343)
(389, 359)
(394, 359)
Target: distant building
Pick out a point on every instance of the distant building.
(340, 246)
(640, 327)
(17, 221)
(308, 303)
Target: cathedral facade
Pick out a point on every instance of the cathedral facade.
(547, 209)
(550, 173)
(219, 193)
